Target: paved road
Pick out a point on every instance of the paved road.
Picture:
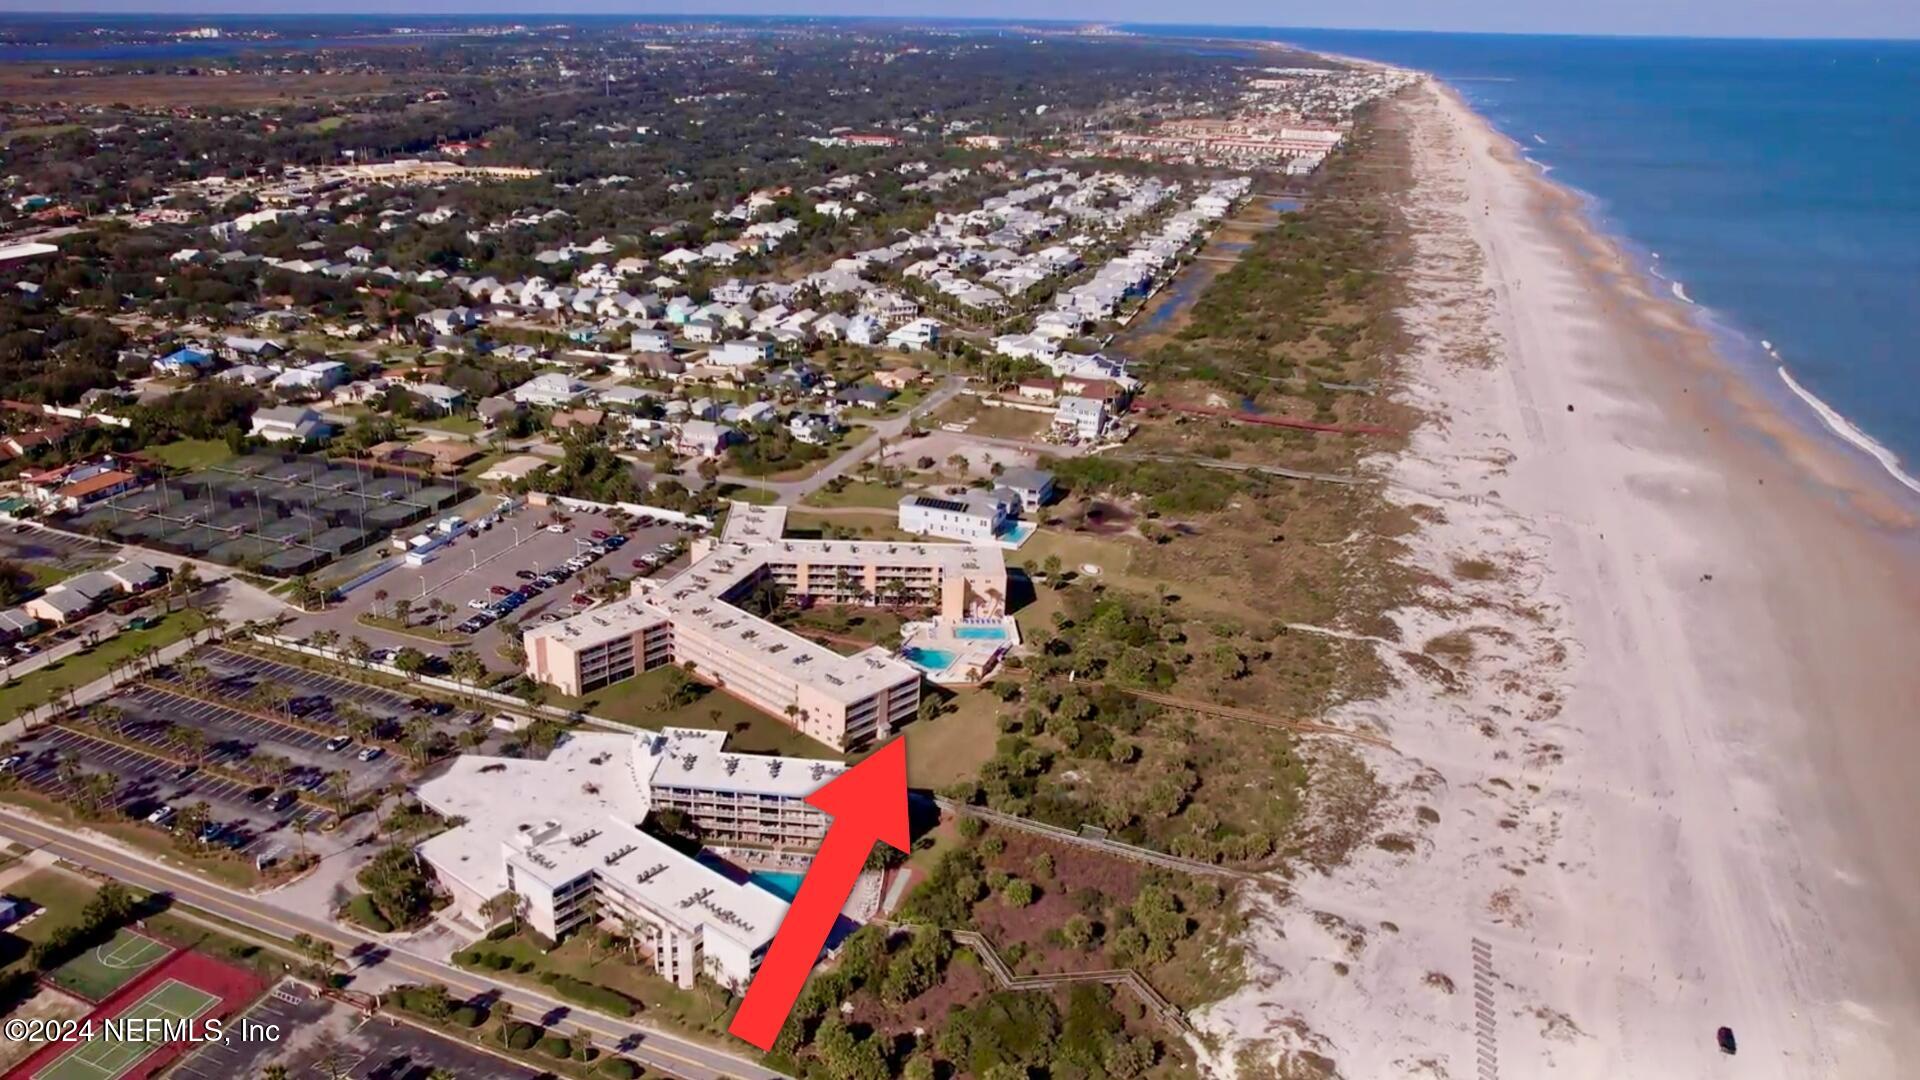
(789, 492)
(669, 1054)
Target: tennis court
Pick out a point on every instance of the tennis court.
(180, 986)
(107, 967)
(102, 1058)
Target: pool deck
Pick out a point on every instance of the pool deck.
(973, 657)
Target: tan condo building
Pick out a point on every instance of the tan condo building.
(693, 619)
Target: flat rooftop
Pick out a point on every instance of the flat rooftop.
(697, 598)
(591, 798)
(692, 757)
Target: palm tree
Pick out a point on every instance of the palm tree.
(380, 603)
(192, 742)
(185, 582)
(358, 650)
(67, 771)
(403, 611)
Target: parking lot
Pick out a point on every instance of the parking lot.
(232, 736)
(322, 1038)
(232, 674)
(475, 571)
(144, 782)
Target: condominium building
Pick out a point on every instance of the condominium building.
(579, 854)
(693, 619)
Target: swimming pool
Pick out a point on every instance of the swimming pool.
(927, 659)
(980, 633)
(784, 884)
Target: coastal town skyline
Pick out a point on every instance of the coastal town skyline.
(1720, 19)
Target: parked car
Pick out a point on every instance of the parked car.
(524, 575)
(370, 753)
(282, 800)
(556, 528)
(161, 816)
(499, 590)
(582, 598)
(601, 534)
(12, 762)
(339, 743)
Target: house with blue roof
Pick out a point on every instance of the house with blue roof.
(189, 363)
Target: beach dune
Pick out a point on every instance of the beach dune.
(1672, 788)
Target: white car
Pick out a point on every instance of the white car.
(556, 528)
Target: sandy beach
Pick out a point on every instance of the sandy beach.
(1671, 788)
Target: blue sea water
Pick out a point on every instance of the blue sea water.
(1778, 183)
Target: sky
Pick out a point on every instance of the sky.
(1698, 18)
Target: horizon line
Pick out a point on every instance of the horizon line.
(919, 19)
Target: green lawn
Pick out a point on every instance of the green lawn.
(465, 425)
(61, 894)
(952, 746)
(642, 701)
(39, 686)
(857, 493)
(701, 1010)
(190, 454)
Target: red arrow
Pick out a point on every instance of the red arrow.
(867, 803)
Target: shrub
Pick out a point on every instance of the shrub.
(620, 1068)
(522, 1036)
(361, 910)
(467, 1016)
(556, 1046)
(591, 995)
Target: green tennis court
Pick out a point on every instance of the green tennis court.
(107, 967)
(108, 1059)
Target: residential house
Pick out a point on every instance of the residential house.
(976, 517)
(552, 390)
(742, 353)
(915, 335)
(650, 341)
(865, 330)
(1081, 419)
(444, 398)
(492, 410)
(311, 380)
(251, 348)
(812, 429)
(290, 423)
(183, 363)
(1034, 487)
(702, 438)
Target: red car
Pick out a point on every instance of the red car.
(601, 534)
(639, 564)
(582, 598)
(500, 590)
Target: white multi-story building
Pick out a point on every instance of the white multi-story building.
(578, 853)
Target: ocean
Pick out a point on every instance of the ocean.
(1775, 185)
